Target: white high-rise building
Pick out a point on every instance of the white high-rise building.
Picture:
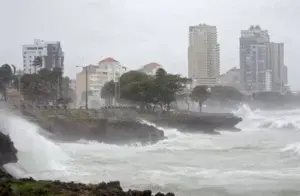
(261, 62)
(203, 54)
(277, 66)
(50, 52)
(254, 60)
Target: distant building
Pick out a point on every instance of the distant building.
(231, 78)
(150, 69)
(107, 69)
(203, 54)
(50, 52)
(277, 66)
(285, 75)
(261, 62)
(254, 59)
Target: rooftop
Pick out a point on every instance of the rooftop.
(150, 66)
(108, 60)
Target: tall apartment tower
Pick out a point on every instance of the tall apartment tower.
(50, 52)
(277, 66)
(203, 55)
(256, 71)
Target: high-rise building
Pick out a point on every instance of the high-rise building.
(285, 75)
(203, 54)
(277, 66)
(261, 62)
(50, 53)
(255, 67)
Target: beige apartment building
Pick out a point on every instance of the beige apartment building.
(97, 75)
(203, 55)
(150, 68)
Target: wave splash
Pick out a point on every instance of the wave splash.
(36, 153)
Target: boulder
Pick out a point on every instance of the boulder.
(8, 152)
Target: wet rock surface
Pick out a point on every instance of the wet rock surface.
(8, 153)
(30, 187)
(10, 186)
(195, 122)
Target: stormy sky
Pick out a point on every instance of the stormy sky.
(136, 32)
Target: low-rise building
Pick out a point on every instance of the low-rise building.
(91, 80)
(150, 69)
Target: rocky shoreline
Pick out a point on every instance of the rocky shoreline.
(30, 187)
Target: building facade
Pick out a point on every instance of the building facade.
(277, 66)
(203, 54)
(150, 69)
(97, 75)
(51, 54)
(254, 59)
(231, 78)
(261, 62)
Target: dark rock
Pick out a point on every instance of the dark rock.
(25, 187)
(8, 153)
(195, 122)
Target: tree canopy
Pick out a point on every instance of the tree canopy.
(44, 86)
(225, 93)
(200, 94)
(145, 90)
(6, 76)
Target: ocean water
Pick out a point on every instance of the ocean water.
(262, 159)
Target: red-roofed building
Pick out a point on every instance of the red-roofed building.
(107, 69)
(108, 60)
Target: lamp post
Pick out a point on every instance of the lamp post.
(86, 85)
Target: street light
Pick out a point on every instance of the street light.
(86, 85)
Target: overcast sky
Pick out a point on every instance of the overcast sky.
(136, 32)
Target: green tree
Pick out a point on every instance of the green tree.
(6, 76)
(149, 91)
(224, 94)
(200, 94)
(44, 86)
(184, 97)
(268, 97)
(108, 92)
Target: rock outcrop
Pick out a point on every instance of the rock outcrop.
(8, 152)
(117, 127)
(9, 186)
(195, 122)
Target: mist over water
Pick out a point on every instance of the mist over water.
(262, 159)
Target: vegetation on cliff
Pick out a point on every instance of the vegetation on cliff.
(30, 187)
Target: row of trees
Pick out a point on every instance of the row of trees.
(147, 91)
(162, 89)
(222, 94)
(44, 86)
